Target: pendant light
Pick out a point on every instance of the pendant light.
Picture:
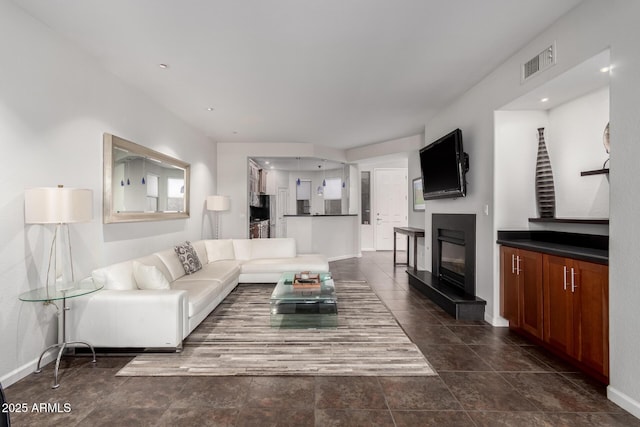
(320, 190)
(298, 180)
(344, 184)
(324, 173)
(144, 182)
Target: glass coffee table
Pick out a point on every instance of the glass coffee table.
(294, 307)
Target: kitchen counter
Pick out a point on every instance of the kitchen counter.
(586, 247)
(336, 236)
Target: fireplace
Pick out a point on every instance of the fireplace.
(452, 284)
(454, 251)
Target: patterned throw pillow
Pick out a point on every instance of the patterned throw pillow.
(188, 257)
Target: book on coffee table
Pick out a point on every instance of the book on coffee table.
(306, 280)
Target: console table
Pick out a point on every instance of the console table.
(409, 232)
(47, 295)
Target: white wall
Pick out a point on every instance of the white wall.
(416, 218)
(588, 29)
(574, 138)
(516, 148)
(55, 104)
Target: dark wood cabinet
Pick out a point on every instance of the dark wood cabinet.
(581, 290)
(562, 303)
(521, 289)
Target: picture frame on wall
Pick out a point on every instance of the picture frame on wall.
(418, 196)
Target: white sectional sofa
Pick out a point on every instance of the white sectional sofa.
(131, 312)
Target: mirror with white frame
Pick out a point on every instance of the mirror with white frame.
(141, 184)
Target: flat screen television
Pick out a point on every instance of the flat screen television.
(444, 164)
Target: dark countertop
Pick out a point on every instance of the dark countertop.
(585, 247)
(317, 215)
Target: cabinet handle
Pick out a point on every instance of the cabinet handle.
(513, 265)
(518, 265)
(564, 277)
(573, 280)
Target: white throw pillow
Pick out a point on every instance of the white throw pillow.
(116, 276)
(218, 250)
(149, 277)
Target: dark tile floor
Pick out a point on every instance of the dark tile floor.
(487, 377)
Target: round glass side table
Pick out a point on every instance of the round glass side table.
(55, 293)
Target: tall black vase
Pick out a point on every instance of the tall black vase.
(545, 191)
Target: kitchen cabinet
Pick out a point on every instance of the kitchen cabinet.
(576, 310)
(562, 303)
(521, 289)
(262, 181)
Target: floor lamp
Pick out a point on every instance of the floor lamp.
(60, 206)
(218, 204)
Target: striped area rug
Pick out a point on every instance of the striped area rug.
(237, 339)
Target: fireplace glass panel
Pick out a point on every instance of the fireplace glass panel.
(452, 257)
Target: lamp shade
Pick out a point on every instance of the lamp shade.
(57, 205)
(218, 203)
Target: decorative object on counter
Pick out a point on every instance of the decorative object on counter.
(607, 144)
(60, 206)
(218, 204)
(545, 191)
(306, 279)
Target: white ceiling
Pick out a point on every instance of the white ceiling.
(340, 73)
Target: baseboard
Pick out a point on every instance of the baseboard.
(341, 257)
(497, 321)
(368, 249)
(26, 369)
(625, 402)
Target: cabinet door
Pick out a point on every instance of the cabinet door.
(509, 292)
(558, 311)
(591, 318)
(529, 271)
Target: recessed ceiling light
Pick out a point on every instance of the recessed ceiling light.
(163, 66)
(235, 132)
(267, 162)
(605, 69)
(271, 167)
(544, 100)
(210, 108)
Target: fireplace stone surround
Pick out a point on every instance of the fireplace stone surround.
(453, 289)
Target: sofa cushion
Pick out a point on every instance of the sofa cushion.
(116, 276)
(222, 271)
(273, 248)
(149, 277)
(188, 257)
(279, 265)
(199, 293)
(201, 250)
(156, 262)
(242, 249)
(170, 259)
(218, 250)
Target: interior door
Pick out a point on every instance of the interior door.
(391, 209)
(281, 208)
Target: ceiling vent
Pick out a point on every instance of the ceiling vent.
(540, 62)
